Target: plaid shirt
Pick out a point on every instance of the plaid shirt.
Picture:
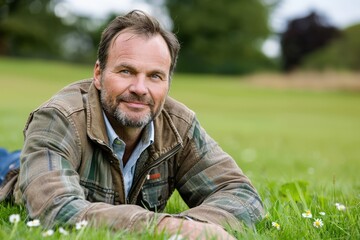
(68, 171)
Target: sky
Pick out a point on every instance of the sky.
(340, 13)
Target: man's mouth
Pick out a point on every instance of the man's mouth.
(136, 105)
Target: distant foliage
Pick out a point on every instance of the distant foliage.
(342, 53)
(28, 28)
(304, 36)
(216, 36)
(220, 36)
(45, 29)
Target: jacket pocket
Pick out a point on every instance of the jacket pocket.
(95, 193)
(155, 191)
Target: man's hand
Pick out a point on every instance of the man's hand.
(192, 229)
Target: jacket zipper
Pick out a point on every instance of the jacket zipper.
(146, 170)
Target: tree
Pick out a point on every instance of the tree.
(30, 28)
(220, 36)
(46, 29)
(304, 36)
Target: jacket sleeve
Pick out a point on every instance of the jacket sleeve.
(213, 186)
(50, 184)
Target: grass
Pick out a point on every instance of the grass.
(299, 147)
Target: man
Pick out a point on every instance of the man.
(111, 150)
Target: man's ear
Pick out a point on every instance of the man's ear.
(97, 75)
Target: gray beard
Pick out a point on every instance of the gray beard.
(123, 119)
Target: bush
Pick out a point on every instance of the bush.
(342, 53)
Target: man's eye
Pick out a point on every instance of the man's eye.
(125, 71)
(156, 77)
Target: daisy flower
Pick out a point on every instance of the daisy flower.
(322, 213)
(307, 214)
(14, 218)
(81, 224)
(48, 233)
(176, 237)
(63, 231)
(33, 223)
(340, 207)
(318, 223)
(276, 225)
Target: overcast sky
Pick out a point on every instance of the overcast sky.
(341, 13)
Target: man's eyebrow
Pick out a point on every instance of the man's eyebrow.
(125, 65)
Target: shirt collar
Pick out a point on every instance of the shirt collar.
(147, 137)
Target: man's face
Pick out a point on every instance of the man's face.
(135, 81)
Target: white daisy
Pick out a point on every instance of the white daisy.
(63, 231)
(81, 224)
(276, 225)
(33, 223)
(176, 237)
(318, 223)
(307, 214)
(340, 206)
(14, 218)
(48, 233)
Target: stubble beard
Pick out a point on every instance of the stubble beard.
(112, 108)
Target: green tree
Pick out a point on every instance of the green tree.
(46, 29)
(220, 36)
(30, 28)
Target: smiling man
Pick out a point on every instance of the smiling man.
(112, 149)
(134, 84)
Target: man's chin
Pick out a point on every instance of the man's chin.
(134, 121)
(135, 124)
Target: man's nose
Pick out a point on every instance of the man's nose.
(138, 85)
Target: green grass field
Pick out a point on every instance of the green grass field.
(301, 148)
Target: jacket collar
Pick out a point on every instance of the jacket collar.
(96, 129)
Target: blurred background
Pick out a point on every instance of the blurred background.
(222, 37)
(275, 82)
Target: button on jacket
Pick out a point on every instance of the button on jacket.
(69, 173)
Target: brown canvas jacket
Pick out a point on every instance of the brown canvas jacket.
(69, 173)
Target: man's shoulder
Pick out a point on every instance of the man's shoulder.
(71, 98)
(178, 110)
(76, 88)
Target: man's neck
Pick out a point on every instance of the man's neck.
(130, 136)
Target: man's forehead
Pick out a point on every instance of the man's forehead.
(128, 34)
(128, 37)
(136, 50)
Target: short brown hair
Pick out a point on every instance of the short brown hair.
(142, 24)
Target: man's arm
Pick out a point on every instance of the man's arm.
(213, 186)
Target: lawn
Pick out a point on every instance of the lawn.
(300, 147)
